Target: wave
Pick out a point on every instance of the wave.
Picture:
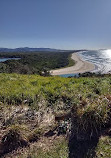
(101, 59)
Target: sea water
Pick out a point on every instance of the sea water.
(100, 58)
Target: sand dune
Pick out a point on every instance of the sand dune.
(79, 67)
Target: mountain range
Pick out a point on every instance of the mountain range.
(27, 49)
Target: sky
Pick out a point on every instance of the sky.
(63, 24)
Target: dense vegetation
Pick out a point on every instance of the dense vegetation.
(28, 104)
(35, 62)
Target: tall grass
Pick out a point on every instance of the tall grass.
(15, 88)
(90, 98)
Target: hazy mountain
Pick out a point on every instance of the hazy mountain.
(27, 49)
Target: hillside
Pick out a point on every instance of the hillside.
(35, 62)
(44, 116)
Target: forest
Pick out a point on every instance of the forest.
(35, 62)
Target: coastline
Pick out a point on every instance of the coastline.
(80, 66)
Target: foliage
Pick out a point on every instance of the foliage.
(34, 62)
(36, 134)
(12, 140)
(58, 150)
(103, 148)
(89, 97)
(15, 89)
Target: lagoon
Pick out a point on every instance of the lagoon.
(5, 59)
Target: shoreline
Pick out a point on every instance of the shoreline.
(80, 66)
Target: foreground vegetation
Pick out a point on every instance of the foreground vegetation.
(34, 109)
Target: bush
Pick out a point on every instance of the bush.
(35, 135)
(12, 140)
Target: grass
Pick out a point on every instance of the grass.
(15, 88)
(88, 97)
(12, 140)
(104, 147)
(58, 150)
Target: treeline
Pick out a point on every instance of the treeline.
(34, 62)
(93, 74)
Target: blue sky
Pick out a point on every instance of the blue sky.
(65, 24)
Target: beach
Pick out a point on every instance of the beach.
(80, 66)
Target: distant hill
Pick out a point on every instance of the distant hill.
(27, 49)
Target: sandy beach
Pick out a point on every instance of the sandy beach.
(80, 66)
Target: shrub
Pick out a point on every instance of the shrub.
(12, 140)
(35, 135)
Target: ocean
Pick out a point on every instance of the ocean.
(100, 58)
